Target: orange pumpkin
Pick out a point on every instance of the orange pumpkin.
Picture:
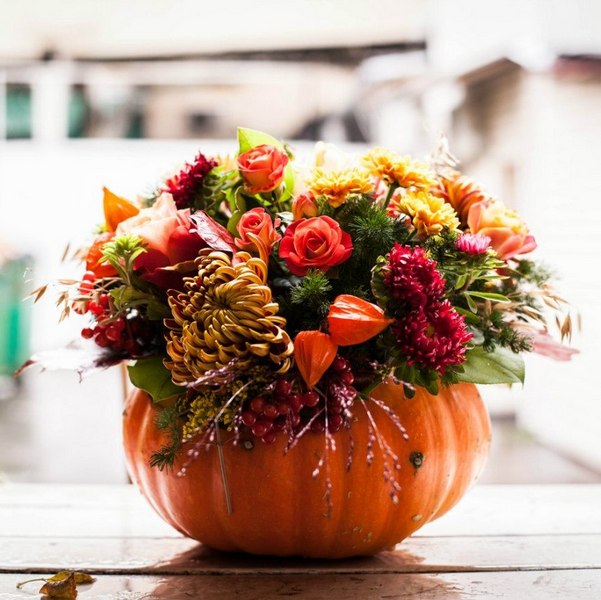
(278, 506)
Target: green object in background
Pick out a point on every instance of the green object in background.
(14, 314)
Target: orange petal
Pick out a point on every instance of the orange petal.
(116, 209)
(314, 352)
(353, 321)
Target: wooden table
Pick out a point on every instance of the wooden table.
(517, 542)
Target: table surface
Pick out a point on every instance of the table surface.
(501, 541)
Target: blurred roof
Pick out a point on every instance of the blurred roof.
(114, 29)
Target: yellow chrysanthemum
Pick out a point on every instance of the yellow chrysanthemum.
(336, 186)
(402, 171)
(381, 163)
(226, 313)
(429, 214)
(411, 173)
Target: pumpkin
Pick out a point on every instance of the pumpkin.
(277, 505)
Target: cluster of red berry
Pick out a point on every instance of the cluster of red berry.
(129, 334)
(289, 410)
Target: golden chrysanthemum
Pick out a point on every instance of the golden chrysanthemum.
(413, 174)
(336, 186)
(381, 163)
(461, 193)
(226, 313)
(429, 213)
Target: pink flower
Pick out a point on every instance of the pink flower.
(472, 243)
(304, 206)
(508, 233)
(316, 243)
(434, 338)
(411, 278)
(171, 237)
(257, 231)
(262, 168)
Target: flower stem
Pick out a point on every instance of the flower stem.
(391, 190)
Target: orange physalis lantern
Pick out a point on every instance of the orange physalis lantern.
(314, 352)
(117, 209)
(353, 321)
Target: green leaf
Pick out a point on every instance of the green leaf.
(251, 138)
(488, 296)
(499, 366)
(472, 305)
(151, 375)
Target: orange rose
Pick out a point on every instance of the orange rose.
(172, 236)
(257, 231)
(508, 233)
(316, 243)
(262, 168)
(304, 206)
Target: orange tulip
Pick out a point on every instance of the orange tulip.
(116, 209)
(314, 352)
(354, 321)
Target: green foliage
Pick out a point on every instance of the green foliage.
(151, 375)
(308, 301)
(125, 297)
(215, 192)
(122, 253)
(169, 420)
(498, 366)
(373, 233)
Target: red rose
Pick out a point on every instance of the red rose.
(257, 229)
(316, 243)
(262, 168)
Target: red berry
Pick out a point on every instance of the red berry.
(310, 399)
(295, 419)
(269, 437)
(261, 427)
(339, 364)
(270, 411)
(334, 422)
(318, 426)
(87, 333)
(113, 333)
(257, 404)
(282, 387)
(295, 402)
(283, 408)
(347, 378)
(89, 276)
(248, 417)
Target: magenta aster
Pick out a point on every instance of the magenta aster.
(187, 183)
(411, 278)
(473, 243)
(435, 338)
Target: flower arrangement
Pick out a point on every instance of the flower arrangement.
(267, 296)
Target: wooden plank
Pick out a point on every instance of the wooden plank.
(534, 585)
(415, 555)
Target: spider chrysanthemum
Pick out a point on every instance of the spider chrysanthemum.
(225, 314)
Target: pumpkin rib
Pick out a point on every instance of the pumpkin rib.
(278, 507)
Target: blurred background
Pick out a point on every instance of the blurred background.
(120, 93)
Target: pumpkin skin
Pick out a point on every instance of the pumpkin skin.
(278, 507)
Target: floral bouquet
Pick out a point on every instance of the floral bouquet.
(265, 303)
